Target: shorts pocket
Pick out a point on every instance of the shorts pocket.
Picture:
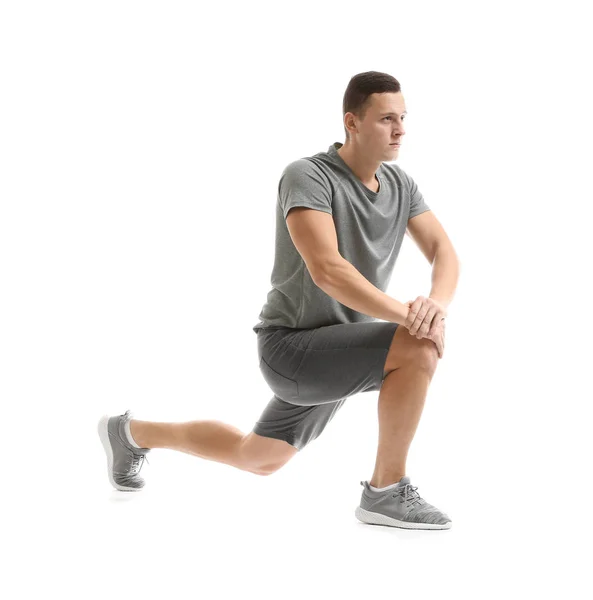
(285, 388)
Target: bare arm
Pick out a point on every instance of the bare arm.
(343, 282)
(314, 236)
(445, 274)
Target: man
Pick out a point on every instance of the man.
(341, 218)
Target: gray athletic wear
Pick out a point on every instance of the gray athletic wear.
(124, 461)
(370, 228)
(315, 352)
(401, 506)
(312, 372)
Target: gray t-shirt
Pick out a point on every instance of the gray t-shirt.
(370, 227)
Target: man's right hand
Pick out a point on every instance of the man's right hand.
(438, 336)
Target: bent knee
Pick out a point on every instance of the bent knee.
(263, 455)
(427, 355)
(407, 349)
(270, 470)
(421, 354)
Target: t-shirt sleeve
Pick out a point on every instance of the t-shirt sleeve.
(417, 203)
(301, 184)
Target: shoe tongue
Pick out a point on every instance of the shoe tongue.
(404, 480)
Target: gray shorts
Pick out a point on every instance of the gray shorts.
(312, 372)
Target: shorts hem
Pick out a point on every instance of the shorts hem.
(277, 436)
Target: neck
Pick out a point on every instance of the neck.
(360, 165)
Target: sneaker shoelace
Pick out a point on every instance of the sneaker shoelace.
(137, 459)
(137, 462)
(408, 494)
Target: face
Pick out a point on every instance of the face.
(383, 125)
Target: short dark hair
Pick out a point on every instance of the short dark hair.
(361, 87)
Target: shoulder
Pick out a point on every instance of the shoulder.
(403, 178)
(395, 171)
(304, 171)
(301, 165)
(397, 176)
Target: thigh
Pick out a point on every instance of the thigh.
(343, 360)
(312, 372)
(316, 366)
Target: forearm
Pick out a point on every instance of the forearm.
(348, 286)
(445, 274)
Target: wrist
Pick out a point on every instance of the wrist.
(441, 299)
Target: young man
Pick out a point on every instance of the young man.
(341, 219)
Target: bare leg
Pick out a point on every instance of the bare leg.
(212, 440)
(401, 401)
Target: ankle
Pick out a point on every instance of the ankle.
(381, 482)
(137, 432)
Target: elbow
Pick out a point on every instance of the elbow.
(325, 271)
(318, 275)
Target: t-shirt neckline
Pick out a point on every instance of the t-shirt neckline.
(333, 151)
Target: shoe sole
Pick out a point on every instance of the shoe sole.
(104, 435)
(373, 518)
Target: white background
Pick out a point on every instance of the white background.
(141, 148)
